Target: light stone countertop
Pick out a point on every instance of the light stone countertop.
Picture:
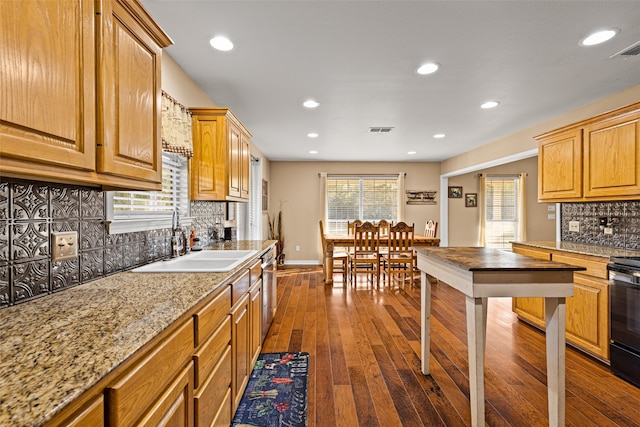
(54, 348)
(578, 248)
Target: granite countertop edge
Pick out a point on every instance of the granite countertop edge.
(55, 348)
(581, 249)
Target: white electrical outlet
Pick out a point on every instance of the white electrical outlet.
(574, 225)
(297, 248)
(551, 208)
(64, 245)
(551, 216)
(608, 231)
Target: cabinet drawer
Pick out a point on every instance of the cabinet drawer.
(210, 398)
(532, 252)
(211, 315)
(136, 390)
(240, 287)
(207, 357)
(256, 271)
(596, 267)
(223, 418)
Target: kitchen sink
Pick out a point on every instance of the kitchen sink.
(199, 262)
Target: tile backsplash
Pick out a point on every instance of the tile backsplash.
(626, 234)
(30, 211)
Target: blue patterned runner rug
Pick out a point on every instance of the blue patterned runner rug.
(276, 394)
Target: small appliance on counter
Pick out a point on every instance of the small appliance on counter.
(230, 231)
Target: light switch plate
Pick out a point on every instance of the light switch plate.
(574, 225)
(64, 245)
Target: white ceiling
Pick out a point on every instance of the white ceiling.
(358, 59)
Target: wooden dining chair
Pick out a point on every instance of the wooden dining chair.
(351, 226)
(365, 257)
(431, 228)
(399, 261)
(340, 259)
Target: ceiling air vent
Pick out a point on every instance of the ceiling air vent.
(633, 50)
(378, 129)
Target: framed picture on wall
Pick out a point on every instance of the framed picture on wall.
(471, 200)
(455, 192)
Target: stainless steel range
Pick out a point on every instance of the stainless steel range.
(624, 306)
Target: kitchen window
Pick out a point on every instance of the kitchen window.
(129, 211)
(368, 197)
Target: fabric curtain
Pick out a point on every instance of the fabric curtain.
(401, 179)
(482, 238)
(521, 224)
(324, 208)
(176, 127)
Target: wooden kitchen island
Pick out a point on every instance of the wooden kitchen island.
(482, 273)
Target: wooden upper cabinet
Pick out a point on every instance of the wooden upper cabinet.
(80, 98)
(618, 141)
(596, 159)
(129, 93)
(560, 166)
(47, 100)
(219, 168)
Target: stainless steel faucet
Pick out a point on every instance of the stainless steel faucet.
(177, 241)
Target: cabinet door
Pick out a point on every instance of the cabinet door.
(175, 407)
(587, 315)
(235, 157)
(240, 349)
(245, 166)
(530, 309)
(255, 313)
(47, 100)
(129, 97)
(208, 164)
(90, 415)
(612, 157)
(560, 166)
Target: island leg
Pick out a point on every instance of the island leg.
(555, 315)
(476, 338)
(425, 327)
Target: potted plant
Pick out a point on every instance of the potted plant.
(276, 233)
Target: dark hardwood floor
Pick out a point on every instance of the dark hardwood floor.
(365, 360)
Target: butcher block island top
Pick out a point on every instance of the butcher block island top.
(482, 273)
(53, 349)
(492, 259)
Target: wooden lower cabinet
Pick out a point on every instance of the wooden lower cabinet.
(255, 313)
(147, 381)
(587, 316)
(193, 374)
(240, 349)
(89, 415)
(212, 399)
(174, 408)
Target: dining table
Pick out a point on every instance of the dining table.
(333, 241)
(481, 273)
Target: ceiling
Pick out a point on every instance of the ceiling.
(358, 59)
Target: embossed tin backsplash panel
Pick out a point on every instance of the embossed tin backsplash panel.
(30, 211)
(626, 235)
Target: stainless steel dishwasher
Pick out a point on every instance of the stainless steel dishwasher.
(269, 290)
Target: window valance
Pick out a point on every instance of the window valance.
(176, 127)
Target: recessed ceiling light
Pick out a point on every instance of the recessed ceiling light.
(313, 152)
(311, 103)
(599, 37)
(439, 135)
(490, 104)
(313, 135)
(221, 43)
(411, 152)
(428, 68)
